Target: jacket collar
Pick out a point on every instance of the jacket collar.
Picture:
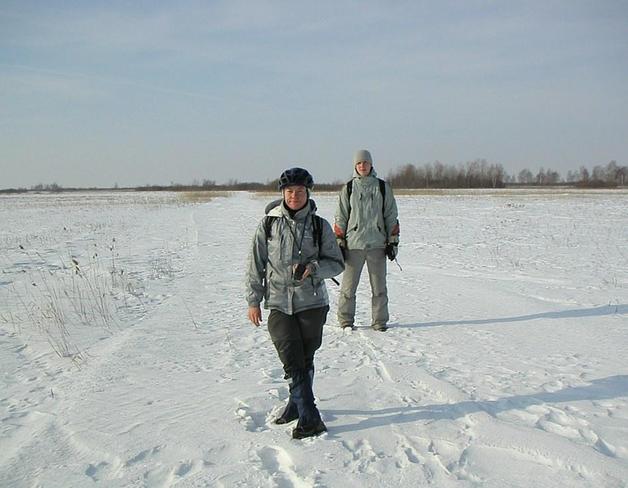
(281, 211)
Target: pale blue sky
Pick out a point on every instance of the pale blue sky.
(94, 93)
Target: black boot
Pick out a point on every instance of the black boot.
(310, 422)
(314, 429)
(291, 412)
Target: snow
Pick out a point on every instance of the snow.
(505, 365)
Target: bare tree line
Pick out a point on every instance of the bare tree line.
(473, 174)
(482, 174)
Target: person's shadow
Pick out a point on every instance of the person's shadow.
(565, 314)
(600, 389)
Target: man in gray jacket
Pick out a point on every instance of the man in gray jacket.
(367, 230)
(293, 252)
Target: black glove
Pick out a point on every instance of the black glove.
(391, 250)
(298, 271)
(342, 244)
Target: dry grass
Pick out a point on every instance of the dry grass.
(202, 196)
(267, 194)
(58, 294)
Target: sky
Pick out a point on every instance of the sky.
(156, 92)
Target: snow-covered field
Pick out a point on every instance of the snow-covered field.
(507, 363)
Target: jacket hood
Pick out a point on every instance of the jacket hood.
(357, 175)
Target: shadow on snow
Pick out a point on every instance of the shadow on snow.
(600, 389)
(565, 314)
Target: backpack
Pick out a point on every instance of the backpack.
(382, 190)
(317, 223)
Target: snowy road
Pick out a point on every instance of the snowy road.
(506, 364)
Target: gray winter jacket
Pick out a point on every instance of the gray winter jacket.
(367, 226)
(291, 241)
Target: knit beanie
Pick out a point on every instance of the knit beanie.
(362, 155)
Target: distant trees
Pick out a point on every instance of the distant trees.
(604, 176)
(549, 177)
(478, 173)
(482, 174)
(474, 174)
(611, 175)
(525, 177)
(52, 187)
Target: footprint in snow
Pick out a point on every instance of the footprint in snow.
(279, 465)
(143, 455)
(95, 471)
(251, 421)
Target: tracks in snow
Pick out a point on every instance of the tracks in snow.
(443, 434)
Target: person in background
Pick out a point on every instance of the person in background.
(367, 231)
(293, 252)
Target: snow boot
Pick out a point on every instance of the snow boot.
(291, 412)
(310, 423)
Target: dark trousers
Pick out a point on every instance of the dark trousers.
(297, 337)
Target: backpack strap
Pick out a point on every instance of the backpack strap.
(317, 227)
(349, 191)
(268, 223)
(382, 190)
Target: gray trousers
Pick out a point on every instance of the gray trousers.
(375, 260)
